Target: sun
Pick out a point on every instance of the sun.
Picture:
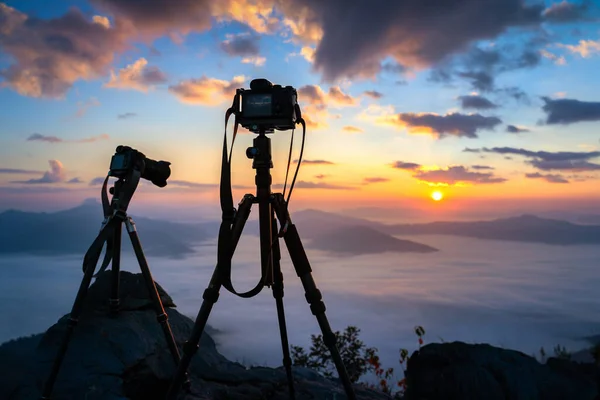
(437, 195)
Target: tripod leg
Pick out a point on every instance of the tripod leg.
(278, 295)
(161, 315)
(115, 271)
(90, 260)
(313, 294)
(210, 297)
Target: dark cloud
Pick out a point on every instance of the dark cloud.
(393, 68)
(97, 181)
(316, 185)
(351, 45)
(49, 55)
(406, 165)
(481, 167)
(75, 180)
(375, 180)
(320, 176)
(547, 161)
(455, 124)
(37, 137)
(194, 185)
(374, 94)
(315, 162)
(476, 102)
(569, 111)
(547, 177)
(19, 171)
(243, 44)
(126, 115)
(515, 129)
(41, 138)
(457, 175)
(482, 81)
(56, 174)
(566, 11)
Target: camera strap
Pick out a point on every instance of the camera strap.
(109, 240)
(225, 245)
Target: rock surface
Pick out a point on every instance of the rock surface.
(126, 357)
(458, 370)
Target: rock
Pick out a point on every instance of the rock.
(479, 371)
(126, 357)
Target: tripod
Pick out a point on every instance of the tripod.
(115, 216)
(270, 206)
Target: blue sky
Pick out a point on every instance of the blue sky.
(381, 92)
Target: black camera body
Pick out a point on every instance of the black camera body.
(127, 159)
(266, 107)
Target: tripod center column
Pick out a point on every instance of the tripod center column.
(262, 162)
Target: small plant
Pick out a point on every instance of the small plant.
(561, 352)
(357, 358)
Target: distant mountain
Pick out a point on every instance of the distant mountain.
(524, 228)
(73, 231)
(357, 240)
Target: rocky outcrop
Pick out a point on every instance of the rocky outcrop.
(448, 371)
(126, 357)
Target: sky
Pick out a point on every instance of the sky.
(494, 104)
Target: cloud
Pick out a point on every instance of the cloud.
(17, 171)
(97, 181)
(241, 44)
(321, 176)
(585, 48)
(454, 124)
(126, 115)
(194, 185)
(406, 165)
(367, 181)
(476, 102)
(54, 175)
(546, 161)
(352, 129)
(256, 61)
(317, 185)
(53, 139)
(84, 106)
(334, 97)
(515, 129)
(558, 60)
(456, 175)
(307, 52)
(353, 45)
(49, 55)
(566, 11)
(481, 167)
(75, 180)
(315, 162)
(547, 177)
(374, 94)
(136, 76)
(480, 80)
(206, 91)
(569, 111)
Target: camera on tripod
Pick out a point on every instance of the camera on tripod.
(127, 159)
(267, 107)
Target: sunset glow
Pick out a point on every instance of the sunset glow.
(490, 122)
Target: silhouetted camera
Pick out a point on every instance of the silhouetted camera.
(266, 106)
(127, 159)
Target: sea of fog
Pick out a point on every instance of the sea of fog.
(512, 295)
